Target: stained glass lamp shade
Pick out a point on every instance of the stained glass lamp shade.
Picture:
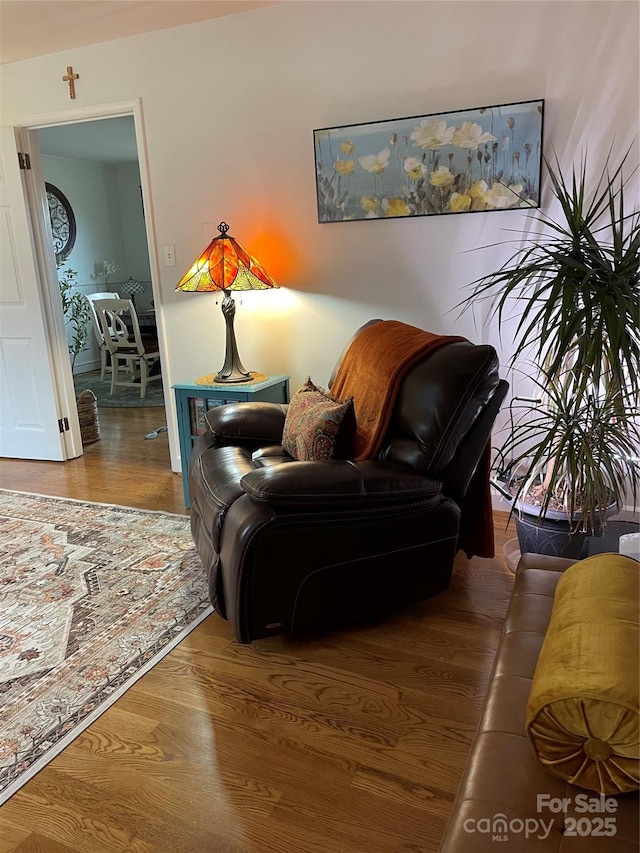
(225, 265)
(130, 287)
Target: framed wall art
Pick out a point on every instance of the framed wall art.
(466, 161)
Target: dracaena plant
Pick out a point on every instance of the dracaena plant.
(575, 287)
(575, 451)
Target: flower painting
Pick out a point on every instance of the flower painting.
(465, 161)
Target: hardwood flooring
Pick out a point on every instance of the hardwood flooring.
(122, 467)
(353, 742)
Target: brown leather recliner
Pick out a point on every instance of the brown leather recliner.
(302, 546)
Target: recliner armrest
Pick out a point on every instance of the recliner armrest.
(247, 423)
(340, 483)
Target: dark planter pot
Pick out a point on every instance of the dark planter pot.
(551, 535)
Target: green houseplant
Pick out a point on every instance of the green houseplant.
(570, 454)
(76, 312)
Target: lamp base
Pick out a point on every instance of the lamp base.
(233, 370)
(210, 381)
(233, 377)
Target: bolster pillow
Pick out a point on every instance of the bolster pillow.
(582, 714)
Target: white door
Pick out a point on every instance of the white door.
(29, 408)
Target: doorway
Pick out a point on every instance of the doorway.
(92, 167)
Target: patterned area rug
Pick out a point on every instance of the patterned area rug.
(123, 396)
(91, 597)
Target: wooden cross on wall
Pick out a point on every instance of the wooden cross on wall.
(70, 78)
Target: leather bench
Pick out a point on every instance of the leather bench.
(507, 800)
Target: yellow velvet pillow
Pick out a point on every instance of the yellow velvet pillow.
(582, 715)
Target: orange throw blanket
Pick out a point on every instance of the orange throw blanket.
(371, 372)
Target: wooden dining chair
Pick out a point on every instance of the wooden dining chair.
(125, 345)
(92, 298)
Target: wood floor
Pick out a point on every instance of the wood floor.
(353, 742)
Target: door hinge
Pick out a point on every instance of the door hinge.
(63, 424)
(24, 160)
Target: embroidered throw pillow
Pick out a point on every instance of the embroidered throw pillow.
(317, 426)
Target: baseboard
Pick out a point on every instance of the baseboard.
(499, 503)
(627, 513)
(86, 367)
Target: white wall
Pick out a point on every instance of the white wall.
(229, 109)
(136, 251)
(91, 189)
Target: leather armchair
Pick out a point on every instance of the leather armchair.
(295, 546)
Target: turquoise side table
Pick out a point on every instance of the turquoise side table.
(193, 401)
